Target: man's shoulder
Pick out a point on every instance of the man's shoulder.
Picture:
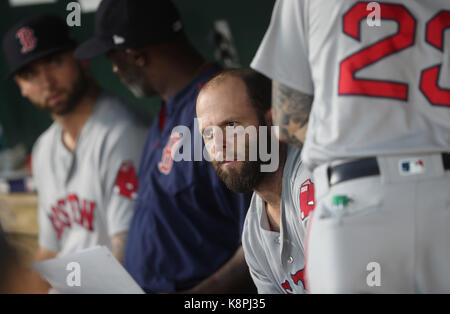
(44, 149)
(115, 118)
(185, 100)
(293, 162)
(190, 92)
(47, 139)
(296, 176)
(113, 111)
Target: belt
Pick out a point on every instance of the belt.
(364, 168)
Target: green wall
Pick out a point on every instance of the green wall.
(248, 20)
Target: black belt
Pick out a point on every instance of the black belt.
(364, 168)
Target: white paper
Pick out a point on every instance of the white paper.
(88, 6)
(16, 3)
(93, 270)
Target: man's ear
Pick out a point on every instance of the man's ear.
(268, 118)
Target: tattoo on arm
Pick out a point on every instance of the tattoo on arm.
(291, 110)
(118, 246)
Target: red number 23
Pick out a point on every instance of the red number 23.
(403, 39)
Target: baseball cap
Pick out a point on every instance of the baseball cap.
(123, 24)
(33, 38)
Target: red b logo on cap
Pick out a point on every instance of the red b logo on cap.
(27, 39)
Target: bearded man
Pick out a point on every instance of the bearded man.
(84, 163)
(275, 226)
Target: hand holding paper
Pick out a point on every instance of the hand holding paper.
(94, 270)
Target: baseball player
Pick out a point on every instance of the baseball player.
(185, 235)
(84, 163)
(275, 226)
(378, 136)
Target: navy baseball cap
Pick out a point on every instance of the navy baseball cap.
(33, 38)
(124, 24)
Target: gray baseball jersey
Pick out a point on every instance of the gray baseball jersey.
(379, 72)
(87, 196)
(378, 89)
(276, 259)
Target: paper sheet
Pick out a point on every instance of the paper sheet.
(94, 270)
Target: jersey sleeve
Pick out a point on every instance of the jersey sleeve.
(302, 190)
(283, 52)
(48, 237)
(120, 164)
(299, 172)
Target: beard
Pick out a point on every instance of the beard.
(137, 82)
(136, 90)
(240, 181)
(77, 91)
(249, 176)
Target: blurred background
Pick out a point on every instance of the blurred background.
(228, 32)
(246, 20)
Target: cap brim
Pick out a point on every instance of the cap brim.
(92, 48)
(38, 56)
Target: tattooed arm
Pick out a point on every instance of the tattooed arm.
(290, 112)
(118, 246)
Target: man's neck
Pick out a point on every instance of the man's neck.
(271, 188)
(73, 122)
(179, 74)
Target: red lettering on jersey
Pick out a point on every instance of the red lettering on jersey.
(429, 82)
(349, 84)
(26, 39)
(82, 214)
(436, 27)
(126, 182)
(166, 163)
(287, 286)
(307, 200)
(74, 205)
(299, 276)
(87, 215)
(59, 218)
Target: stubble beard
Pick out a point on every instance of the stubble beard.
(138, 84)
(240, 181)
(78, 90)
(249, 177)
